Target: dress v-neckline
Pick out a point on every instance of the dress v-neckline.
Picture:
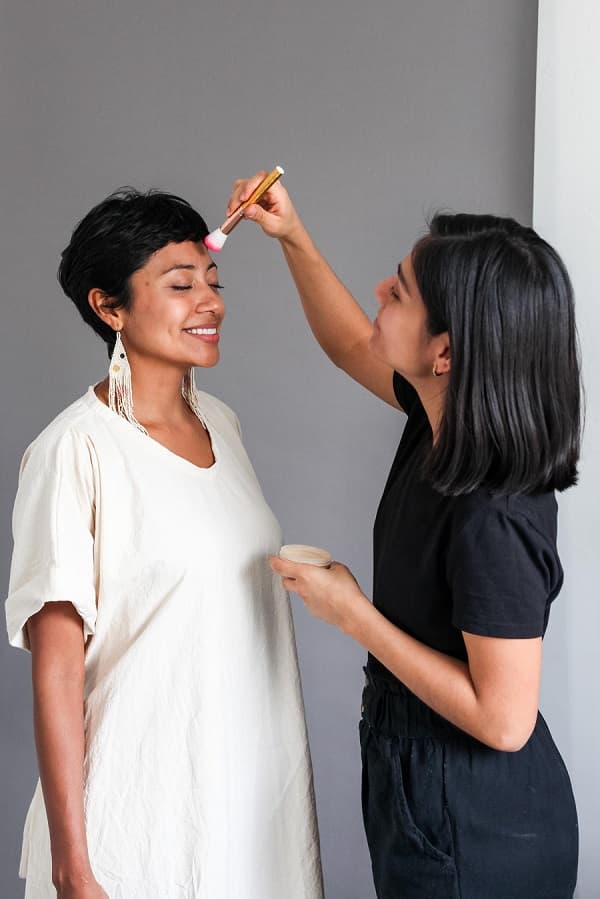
(156, 444)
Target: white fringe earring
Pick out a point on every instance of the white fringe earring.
(190, 395)
(120, 398)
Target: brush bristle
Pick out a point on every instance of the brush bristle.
(215, 240)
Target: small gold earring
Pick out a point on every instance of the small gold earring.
(436, 373)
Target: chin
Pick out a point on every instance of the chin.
(207, 362)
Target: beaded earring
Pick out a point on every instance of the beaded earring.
(120, 398)
(190, 395)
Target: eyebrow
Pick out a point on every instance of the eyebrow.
(187, 267)
(403, 279)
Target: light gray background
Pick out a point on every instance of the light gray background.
(566, 209)
(380, 113)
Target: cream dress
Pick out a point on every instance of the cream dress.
(198, 780)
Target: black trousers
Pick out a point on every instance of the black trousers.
(447, 817)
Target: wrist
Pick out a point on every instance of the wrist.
(73, 872)
(356, 621)
(297, 237)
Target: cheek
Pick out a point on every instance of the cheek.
(162, 311)
(402, 336)
(391, 322)
(154, 327)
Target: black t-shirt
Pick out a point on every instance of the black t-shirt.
(479, 563)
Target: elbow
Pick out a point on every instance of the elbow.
(510, 736)
(508, 743)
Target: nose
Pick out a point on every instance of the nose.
(209, 299)
(382, 291)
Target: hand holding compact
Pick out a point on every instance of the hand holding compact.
(331, 594)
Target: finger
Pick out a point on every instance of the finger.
(273, 196)
(269, 222)
(283, 567)
(270, 198)
(255, 213)
(242, 189)
(289, 584)
(252, 184)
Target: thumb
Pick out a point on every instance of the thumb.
(255, 213)
(269, 223)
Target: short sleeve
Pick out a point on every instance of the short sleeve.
(405, 393)
(502, 574)
(53, 531)
(235, 422)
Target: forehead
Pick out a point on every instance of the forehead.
(187, 253)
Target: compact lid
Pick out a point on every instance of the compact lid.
(308, 555)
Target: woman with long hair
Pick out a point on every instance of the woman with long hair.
(464, 793)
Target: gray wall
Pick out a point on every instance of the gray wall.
(380, 113)
(567, 191)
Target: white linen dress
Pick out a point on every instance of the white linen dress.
(198, 781)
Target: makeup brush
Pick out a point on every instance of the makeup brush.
(216, 239)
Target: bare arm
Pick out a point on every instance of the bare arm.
(493, 697)
(56, 641)
(337, 321)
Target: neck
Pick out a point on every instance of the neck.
(433, 397)
(157, 395)
(156, 391)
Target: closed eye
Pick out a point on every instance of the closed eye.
(189, 286)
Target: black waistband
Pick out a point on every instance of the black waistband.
(390, 708)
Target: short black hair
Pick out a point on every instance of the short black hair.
(512, 415)
(115, 239)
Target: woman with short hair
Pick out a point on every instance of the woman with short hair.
(169, 722)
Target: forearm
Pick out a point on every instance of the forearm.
(335, 318)
(442, 682)
(493, 697)
(59, 734)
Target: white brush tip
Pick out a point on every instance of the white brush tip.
(215, 240)
(280, 170)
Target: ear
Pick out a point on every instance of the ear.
(99, 303)
(442, 356)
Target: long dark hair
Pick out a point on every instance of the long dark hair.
(512, 416)
(115, 239)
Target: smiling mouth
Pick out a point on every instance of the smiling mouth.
(207, 335)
